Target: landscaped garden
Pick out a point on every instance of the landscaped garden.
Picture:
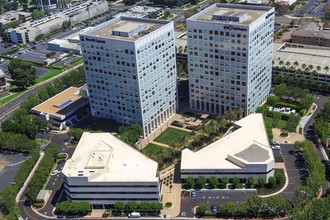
(162, 155)
(171, 136)
(285, 108)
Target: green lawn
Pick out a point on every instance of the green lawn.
(171, 136)
(9, 98)
(78, 61)
(51, 73)
(280, 124)
(154, 152)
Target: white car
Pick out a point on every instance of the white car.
(55, 172)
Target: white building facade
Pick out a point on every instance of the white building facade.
(244, 152)
(104, 170)
(230, 57)
(130, 71)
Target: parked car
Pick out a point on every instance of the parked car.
(193, 194)
(55, 172)
(214, 208)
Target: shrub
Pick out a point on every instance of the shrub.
(168, 205)
(235, 181)
(261, 182)
(284, 134)
(271, 181)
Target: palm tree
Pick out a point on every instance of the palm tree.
(303, 66)
(326, 69)
(185, 141)
(318, 68)
(213, 128)
(311, 67)
(239, 111)
(296, 64)
(221, 122)
(281, 63)
(287, 64)
(230, 115)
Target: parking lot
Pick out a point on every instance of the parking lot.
(213, 197)
(292, 167)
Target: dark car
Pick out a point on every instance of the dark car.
(214, 208)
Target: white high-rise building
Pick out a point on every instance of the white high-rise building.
(230, 57)
(130, 71)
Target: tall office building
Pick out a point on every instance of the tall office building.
(230, 57)
(131, 71)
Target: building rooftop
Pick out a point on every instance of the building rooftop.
(312, 29)
(62, 103)
(246, 144)
(103, 157)
(125, 28)
(231, 14)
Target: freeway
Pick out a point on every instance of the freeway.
(7, 109)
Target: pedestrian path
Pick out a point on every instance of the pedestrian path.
(160, 144)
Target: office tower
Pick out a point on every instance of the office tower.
(230, 57)
(131, 71)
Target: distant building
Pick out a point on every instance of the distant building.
(142, 12)
(288, 2)
(28, 31)
(130, 71)
(4, 86)
(70, 44)
(11, 16)
(313, 34)
(50, 4)
(64, 109)
(244, 152)
(230, 57)
(104, 170)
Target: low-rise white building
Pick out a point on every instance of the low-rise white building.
(243, 152)
(104, 170)
(4, 86)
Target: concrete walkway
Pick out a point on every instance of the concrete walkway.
(309, 114)
(160, 144)
(290, 139)
(19, 194)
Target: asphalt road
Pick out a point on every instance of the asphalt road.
(212, 197)
(55, 182)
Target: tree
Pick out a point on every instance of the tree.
(120, 206)
(280, 90)
(76, 133)
(213, 182)
(190, 12)
(255, 203)
(224, 180)
(235, 180)
(279, 178)
(306, 101)
(43, 94)
(272, 100)
(22, 72)
(30, 102)
(271, 181)
(190, 182)
(200, 182)
(261, 182)
(36, 14)
(278, 205)
(201, 210)
(131, 206)
(250, 181)
(228, 209)
(144, 206)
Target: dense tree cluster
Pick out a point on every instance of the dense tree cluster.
(22, 72)
(72, 208)
(274, 206)
(41, 175)
(130, 134)
(16, 142)
(132, 206)
(322, 123)
(22, 123)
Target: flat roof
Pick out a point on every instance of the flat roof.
(247, 143)
(303, 54)
(137, 27)
(62, 103)
(102, 157)
(247, 13)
